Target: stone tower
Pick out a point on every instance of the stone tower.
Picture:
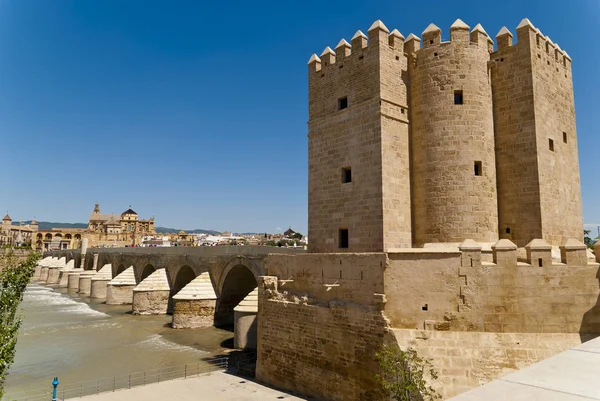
(452, 131)
(411, 145)
(539, 193)
(359, 176)
(6, 223)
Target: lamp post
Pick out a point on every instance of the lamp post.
(55, 383)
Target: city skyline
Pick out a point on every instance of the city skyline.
(197, 113)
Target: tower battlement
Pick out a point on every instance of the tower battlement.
(419, 140)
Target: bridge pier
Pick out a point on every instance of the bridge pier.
(100, 281)
(54, 271)
(194, 305)
(245, 315)
(119, 291)
(151, 296)
(63, 275)
(85, 282)
(38, 267)
(44, 273)
(73, 280)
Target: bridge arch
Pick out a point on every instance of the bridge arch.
(184, 275)
(120, 269)
(239, 278)
(146, 271)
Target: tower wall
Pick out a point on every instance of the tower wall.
(369, 137)
(451, 202)
(539, 187)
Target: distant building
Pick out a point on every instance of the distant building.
(103, 230)
(16, 234)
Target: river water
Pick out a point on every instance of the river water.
(78, 340)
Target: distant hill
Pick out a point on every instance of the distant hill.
(166, 230)
(48, 225)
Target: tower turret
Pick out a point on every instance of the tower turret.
(539, 194)
(454, 172)
(359, 179)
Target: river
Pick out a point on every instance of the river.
(78, 340)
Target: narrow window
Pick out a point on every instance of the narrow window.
(508, 230)
(565, 140)
(425, 307)
(346, 175)
(343, 103)
(458, 97)
(343, 238)
(551, 144)
(478, 169)
(540, 262)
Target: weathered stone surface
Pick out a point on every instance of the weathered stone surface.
(121, 294)
(189, 313)
(98, 289)
(244, 333)
(53, 275)
(85, 283)
(73, 281)
(154, 302)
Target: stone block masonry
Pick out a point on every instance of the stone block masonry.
(410, 145)
(321, 317)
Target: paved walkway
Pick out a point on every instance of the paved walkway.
(569, 376)
(215, 386)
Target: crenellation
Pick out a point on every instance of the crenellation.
(396, 40)
(343, 50)
(479, 36)
(505, 253)
(412, 44)
(378, 33)
(574, 253)
(404, 119)
(504, 38)
(314, 63)
(359, 40)
(432, 36)
(539, 253)
(328, 56)
(459, 32)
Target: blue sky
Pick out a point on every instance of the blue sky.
(196, 112)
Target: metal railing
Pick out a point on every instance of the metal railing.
(108, 384)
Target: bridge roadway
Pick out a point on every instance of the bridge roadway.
(231, 271)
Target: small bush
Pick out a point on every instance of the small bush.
(403, 374)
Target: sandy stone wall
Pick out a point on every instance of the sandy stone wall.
(448, 293)
(370, 137)
(323, 316)
(560, 187)
(150, 302)
(451, 203)
(119, 294)
(98, 290)
(193, 313)
(467, 360)
(538, 186)
(323, 350)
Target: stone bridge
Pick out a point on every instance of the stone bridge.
(199, 285)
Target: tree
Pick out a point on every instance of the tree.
(403, 374)
(587, 239)
(14, 276)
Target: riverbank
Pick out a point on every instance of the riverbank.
(80, 340)
(216, 386)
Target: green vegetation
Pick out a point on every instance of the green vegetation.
(587, 239)
(14, 276)
(403, 375)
